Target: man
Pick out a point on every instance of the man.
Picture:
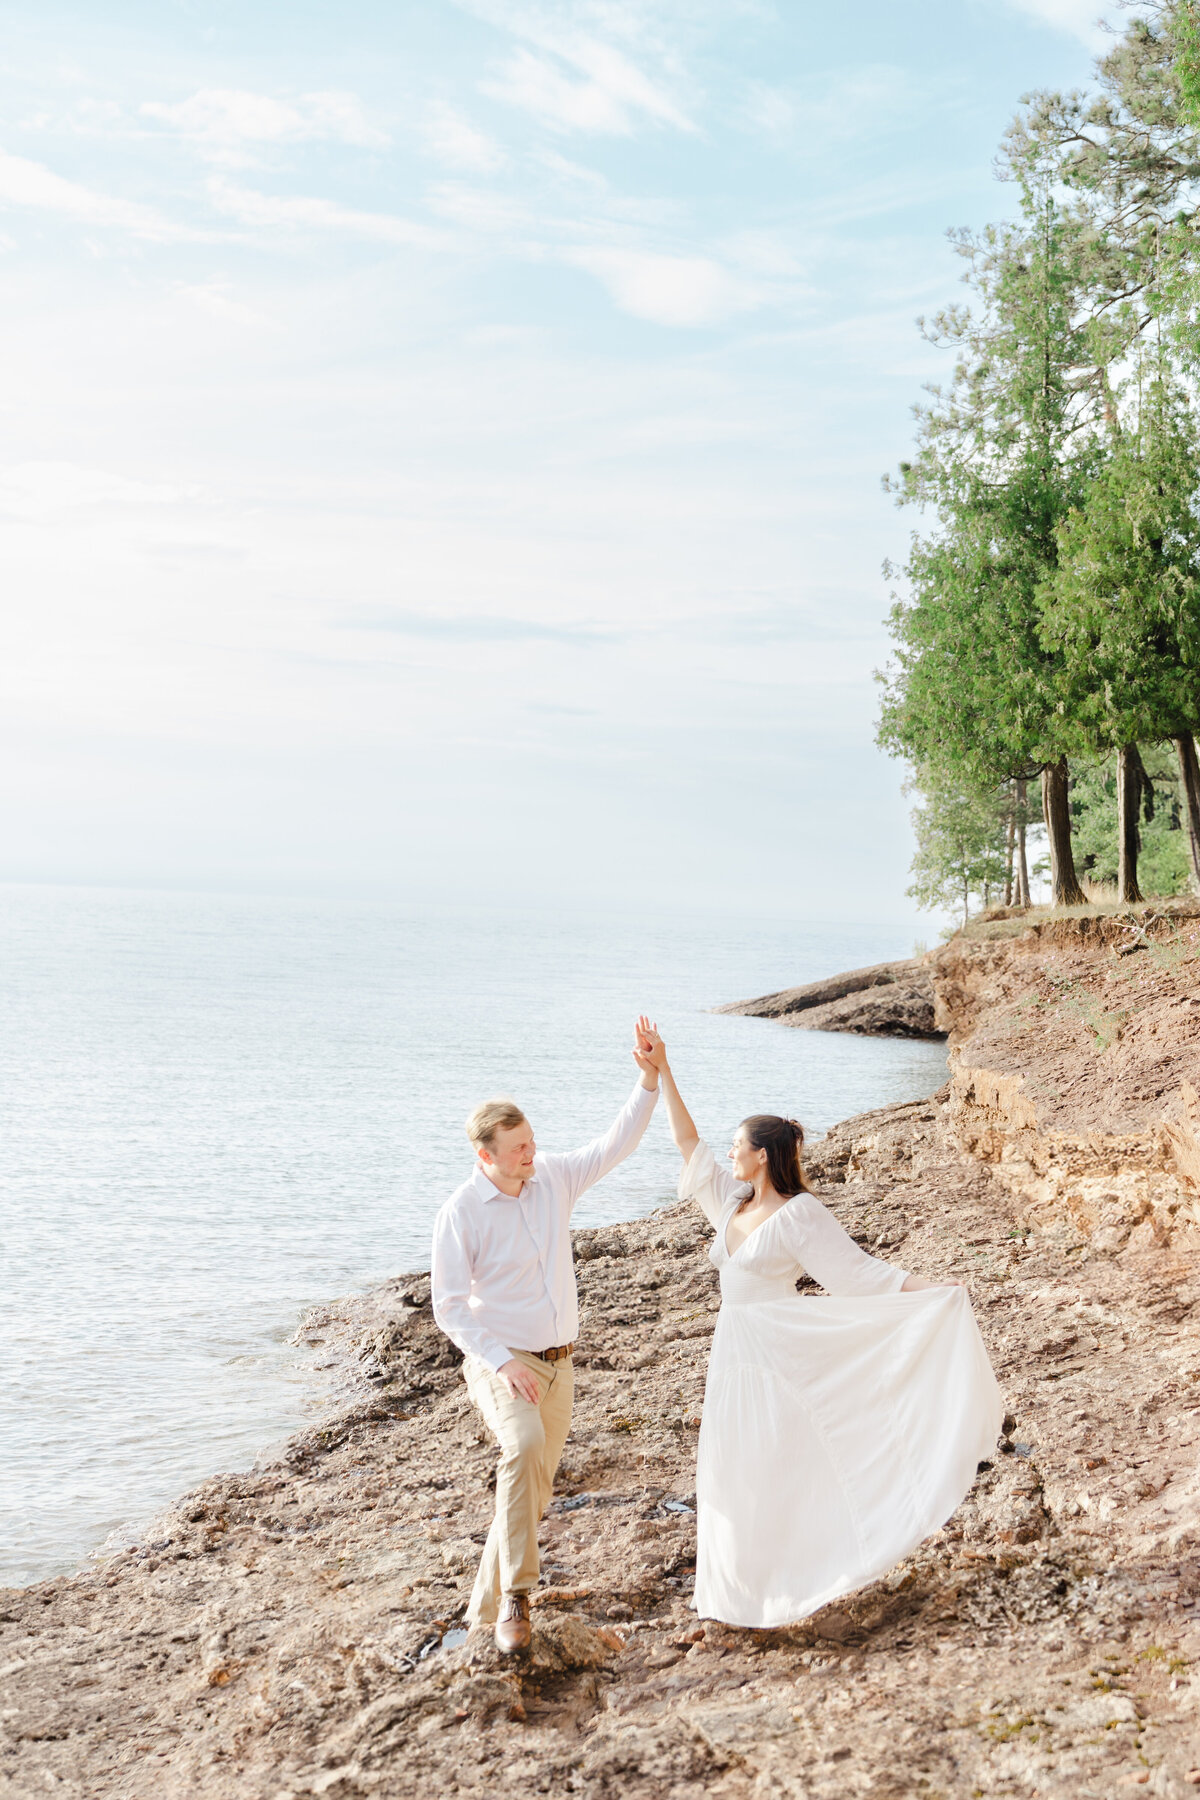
(504, 1291)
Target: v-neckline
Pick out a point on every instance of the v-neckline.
(730, 1254)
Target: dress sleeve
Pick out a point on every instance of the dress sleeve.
(831, 1256)
(712, 1188)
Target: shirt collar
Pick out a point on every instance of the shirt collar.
(486, 1188)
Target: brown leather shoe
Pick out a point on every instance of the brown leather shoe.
(512, 1627)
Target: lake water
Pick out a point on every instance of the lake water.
(217, 1111)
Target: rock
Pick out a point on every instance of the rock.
(893, 999)
(899, 1009)
(560, 1641)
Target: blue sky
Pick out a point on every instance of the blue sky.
(440, 444)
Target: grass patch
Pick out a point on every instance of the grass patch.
(1175, 951)
(1105, 1027)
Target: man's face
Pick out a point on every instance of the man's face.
(511, 1152)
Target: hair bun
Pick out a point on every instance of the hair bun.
(798, 1128)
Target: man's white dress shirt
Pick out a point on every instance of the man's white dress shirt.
(503, 1274)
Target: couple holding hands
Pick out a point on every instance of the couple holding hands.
(838, 1430)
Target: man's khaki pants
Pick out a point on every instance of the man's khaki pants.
(531, 1440)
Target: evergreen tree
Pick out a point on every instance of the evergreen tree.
(1053, 610)
(961, 840)
(1130, 150)
(1183, 26)
(1123, 602)
(1003, 456)
(1162, 840)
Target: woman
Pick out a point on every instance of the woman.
(838, 1431)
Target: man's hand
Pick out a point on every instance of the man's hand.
(648, 1046)
(641, 1053)
(521, 1382)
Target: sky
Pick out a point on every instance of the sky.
(441, 444)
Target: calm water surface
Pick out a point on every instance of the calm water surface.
(218, 1111)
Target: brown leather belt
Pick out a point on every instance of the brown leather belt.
(555, 1353)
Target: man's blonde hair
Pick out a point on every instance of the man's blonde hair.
(491, 1117)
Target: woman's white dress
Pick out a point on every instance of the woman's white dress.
(838, 1430)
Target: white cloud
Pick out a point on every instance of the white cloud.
(490, 212)
(226, 123)
(214, 297)
(688, 291)
(767, 111)
(45, 490)
(768, 253)
(1078, 18)
(308, 212)
(31, 184)
(571, 174)
(581, 84)
(451, 138)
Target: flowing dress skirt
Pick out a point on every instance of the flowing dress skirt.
(836, 1434)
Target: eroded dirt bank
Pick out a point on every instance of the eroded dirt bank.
(281, 1635)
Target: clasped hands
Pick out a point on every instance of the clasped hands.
(649, 1051)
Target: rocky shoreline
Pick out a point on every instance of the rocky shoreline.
(291, 1632)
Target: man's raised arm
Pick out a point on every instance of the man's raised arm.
(583, 1168)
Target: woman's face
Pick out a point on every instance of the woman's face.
(745, 1160)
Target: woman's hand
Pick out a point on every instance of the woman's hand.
(649, 1045)
(642, 1057)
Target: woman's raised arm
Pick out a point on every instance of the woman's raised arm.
(651, 1052)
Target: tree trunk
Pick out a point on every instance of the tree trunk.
(1189, 782)
(1010, 838)
(1131, 779)
(1022, 859)
(1064, 883)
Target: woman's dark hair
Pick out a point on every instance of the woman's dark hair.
(782, 1140)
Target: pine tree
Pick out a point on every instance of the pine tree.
(1123, 602)
(1004, 454)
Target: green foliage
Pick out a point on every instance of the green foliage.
(960, 832)
(1003, 455)
(1051, 606)
(1184, 39)
(972, 684)
(1122, 605)
(1130, 152)
(1163, 866)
